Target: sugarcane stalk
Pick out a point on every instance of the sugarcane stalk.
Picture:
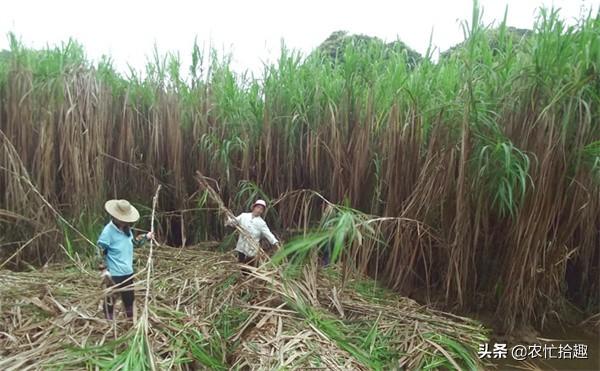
(149, 267)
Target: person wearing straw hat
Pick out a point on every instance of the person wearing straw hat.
(257, 228)
(116, 243)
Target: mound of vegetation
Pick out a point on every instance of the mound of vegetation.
(201, 313)
(496, 38)
(337, 44)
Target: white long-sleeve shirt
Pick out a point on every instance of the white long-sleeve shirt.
(257, 228)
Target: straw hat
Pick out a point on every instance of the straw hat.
(122, 210)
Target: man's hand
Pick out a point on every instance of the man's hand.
(147, 236)
(106, 277)
(230, 222)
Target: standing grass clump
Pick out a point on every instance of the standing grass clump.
(504, 170)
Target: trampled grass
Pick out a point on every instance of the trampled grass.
(206, 315)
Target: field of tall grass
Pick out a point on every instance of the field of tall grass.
(476, 177)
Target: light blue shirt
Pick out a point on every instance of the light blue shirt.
(118, 250)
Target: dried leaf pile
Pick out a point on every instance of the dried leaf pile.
(204, 314)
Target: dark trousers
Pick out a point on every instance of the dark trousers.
(245, 259)
(123, 283)
(326, 251)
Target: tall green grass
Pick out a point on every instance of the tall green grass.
(491, 150)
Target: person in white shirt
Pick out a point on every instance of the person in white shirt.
(256, 227)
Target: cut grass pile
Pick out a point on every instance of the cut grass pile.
(203, 314)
